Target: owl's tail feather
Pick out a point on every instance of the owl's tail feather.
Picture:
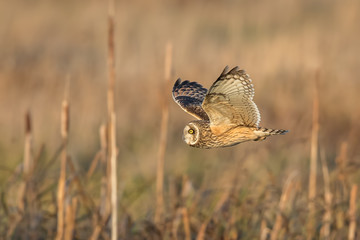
(262, 133)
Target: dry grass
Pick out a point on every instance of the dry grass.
(55, 184)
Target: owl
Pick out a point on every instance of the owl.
(226, 113)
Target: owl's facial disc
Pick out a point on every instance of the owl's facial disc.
(191, 134)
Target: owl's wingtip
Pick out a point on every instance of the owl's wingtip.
(234, 70)
(225, 70)
(177, 83)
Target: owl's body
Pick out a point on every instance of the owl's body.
(227, 114)
(228, 138)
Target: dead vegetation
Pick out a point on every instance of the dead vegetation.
(105, 159)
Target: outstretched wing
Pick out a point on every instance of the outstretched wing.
(190, 96)
(229, 101)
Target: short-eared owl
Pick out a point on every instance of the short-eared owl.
(227, 114)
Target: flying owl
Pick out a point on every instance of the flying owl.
(227, 113)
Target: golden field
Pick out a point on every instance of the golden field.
(255, 190)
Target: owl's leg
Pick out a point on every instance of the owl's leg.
(259, 139)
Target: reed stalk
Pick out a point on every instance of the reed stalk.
(111, 59)
(112, 150)
(325, 229)
(264, 230)
(284, 199)
(313, 159)
(61, 194)
(93, 165)
(104, 189)
(176, 223)
(186, 221)
(71, 208)
(114, 198)
(159, 212)
(202, 230)
(352, 212)
(88, 202)
(341, 166)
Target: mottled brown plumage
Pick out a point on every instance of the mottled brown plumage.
(227, 114)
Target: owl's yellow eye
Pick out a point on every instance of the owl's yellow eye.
(191, 131)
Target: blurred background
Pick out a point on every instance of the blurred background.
(283, 45)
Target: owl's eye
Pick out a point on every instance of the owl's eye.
(191, 131)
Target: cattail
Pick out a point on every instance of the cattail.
(27, 165)
(28, 159)
(23, 187)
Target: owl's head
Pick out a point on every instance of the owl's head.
(191, 134)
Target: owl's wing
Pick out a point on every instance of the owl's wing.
(190, 96)
(229, 101)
